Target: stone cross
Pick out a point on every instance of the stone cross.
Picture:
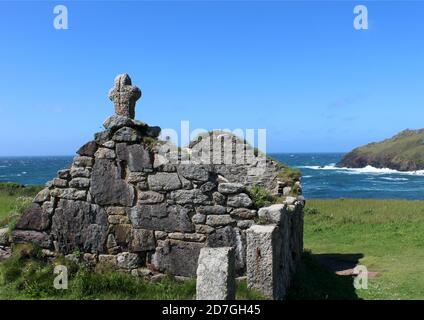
(124, 96)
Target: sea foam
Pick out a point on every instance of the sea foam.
(365, 170)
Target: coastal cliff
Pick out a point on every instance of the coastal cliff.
(402, 152)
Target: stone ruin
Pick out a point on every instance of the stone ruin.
(123, 202)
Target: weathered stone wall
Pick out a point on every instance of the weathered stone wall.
(120, 203)
(115, 199)
(240, 162)
(274, 249)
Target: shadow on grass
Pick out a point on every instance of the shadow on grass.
(316, 278)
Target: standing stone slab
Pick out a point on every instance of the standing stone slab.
(263, 261)
(107, 186)
(216, 274)
(278, 214)
(230, 237)
(78, 225)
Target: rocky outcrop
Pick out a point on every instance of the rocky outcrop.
(403, 152)
(4, 236)
(5, 253)
(122, 201)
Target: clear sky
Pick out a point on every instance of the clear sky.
(298, 69)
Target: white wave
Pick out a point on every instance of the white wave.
(365, 170)
(395, 179)
(328, 167)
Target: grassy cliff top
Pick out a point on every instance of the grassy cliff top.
(404, 152)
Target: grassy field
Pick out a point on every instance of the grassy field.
(384, 235)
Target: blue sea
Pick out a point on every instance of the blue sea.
(320, 177)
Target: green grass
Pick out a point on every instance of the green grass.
(384, 235)
(27, 275)
(13, 200)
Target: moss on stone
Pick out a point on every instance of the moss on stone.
(289, 175)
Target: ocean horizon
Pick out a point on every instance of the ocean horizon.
(321, 179)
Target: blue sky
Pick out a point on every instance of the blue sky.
(298, 69)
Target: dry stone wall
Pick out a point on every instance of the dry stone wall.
(120, 204)
(239, 162)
